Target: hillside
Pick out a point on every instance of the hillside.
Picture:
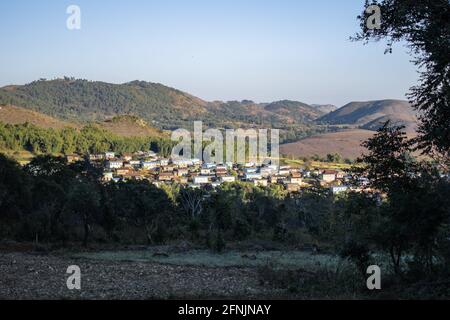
(160, 106)
(371, 114)
(347, 143)
(124, 126)
(325, 108)
(16, 115)
(130, 126)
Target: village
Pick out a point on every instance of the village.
(195, 173)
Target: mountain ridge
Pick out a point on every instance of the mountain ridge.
(164, 107)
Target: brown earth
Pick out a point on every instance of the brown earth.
(43, 276)
(17, 115)
(347, 143)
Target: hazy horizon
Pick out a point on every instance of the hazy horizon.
(294, 50)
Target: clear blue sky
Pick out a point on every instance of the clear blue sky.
(262, 50)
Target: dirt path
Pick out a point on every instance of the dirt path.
(31, 276)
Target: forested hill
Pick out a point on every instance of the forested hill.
(71, 99)
(160, 106)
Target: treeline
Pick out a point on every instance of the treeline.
(89, 139)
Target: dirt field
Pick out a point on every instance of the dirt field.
(43, 276)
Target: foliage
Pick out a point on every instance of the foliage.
(90, 139)
(425, 27)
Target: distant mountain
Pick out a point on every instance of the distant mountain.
(371, 115)
(325, 108)
(159, 105)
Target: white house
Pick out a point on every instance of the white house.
(164, 162)
(205, 171)
(252, 176)
(110, 155)
(150, 164)
(328, 176)
(228, 179)
(201, 179)
(114, 164)
(338, 189)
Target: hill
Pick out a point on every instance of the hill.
(371, 114)
(123, 126)
(16, 115)
(347, 143)
(159, 105)
(83, 100)
(325, 108)
(131, 126)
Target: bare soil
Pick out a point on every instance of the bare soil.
(26, 275)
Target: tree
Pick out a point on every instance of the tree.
(416, 204)
(425, 26)
(15, 192)
(84, 203)
(192, 201)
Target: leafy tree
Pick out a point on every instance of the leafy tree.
(416, 203)
(425, 26)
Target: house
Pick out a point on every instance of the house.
(340, 175)
(165, 176)
(114, 164)
(201, 179)
(205, 171)
(73, 158)
(96, 157)
(338, 189)
(109, 155)
(328, 176)
(182, 163)
(181, 172)
(284, 171)
(150, 164)
(276, 179)
(221, 168)
(250, 170)
(268, 171)
(167, 168)
(221, 171)
(107, 176)
(252, 176)
(127, 165)
(295, 180)
(228, 179)
(135, 163)
(209, 165)
(164, 162)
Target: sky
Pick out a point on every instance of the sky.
(260, 50)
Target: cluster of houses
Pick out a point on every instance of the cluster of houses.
(195, 173)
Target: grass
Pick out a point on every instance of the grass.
(205, 258)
